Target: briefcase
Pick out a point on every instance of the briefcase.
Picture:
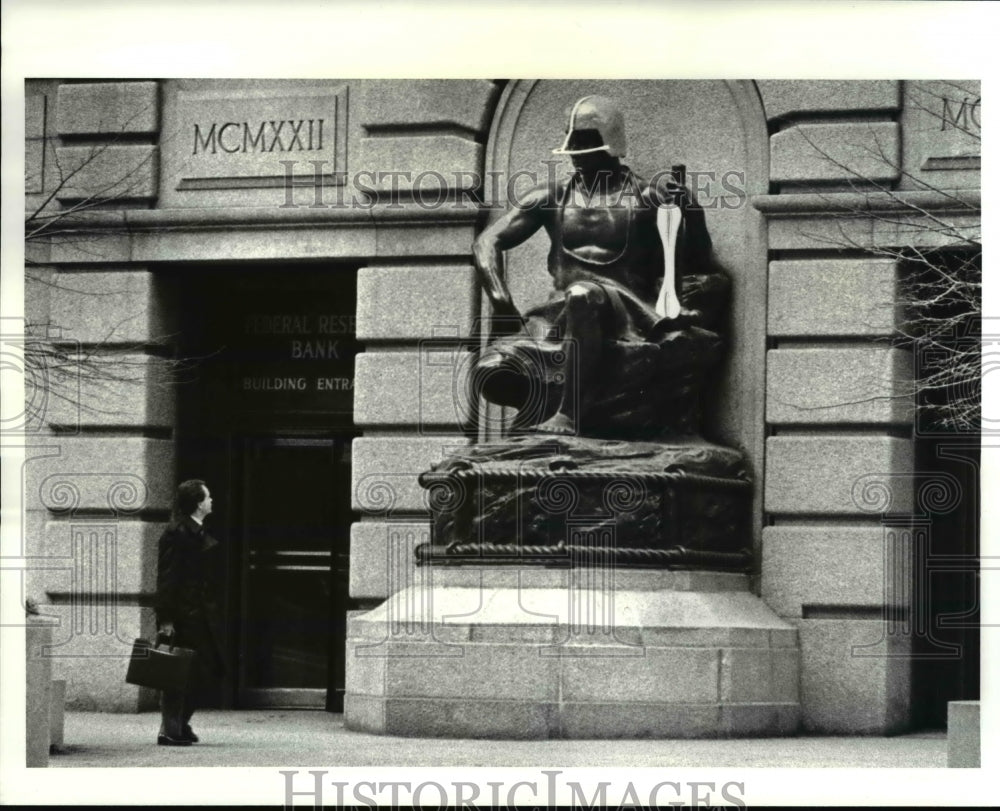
(161, 666)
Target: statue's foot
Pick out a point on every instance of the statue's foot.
(559, 424)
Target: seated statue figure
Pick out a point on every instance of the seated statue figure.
(621, 347)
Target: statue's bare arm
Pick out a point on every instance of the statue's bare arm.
(515, 227)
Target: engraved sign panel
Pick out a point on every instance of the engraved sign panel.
(260, 139)
(942, 131)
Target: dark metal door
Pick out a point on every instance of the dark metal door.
(295, 538)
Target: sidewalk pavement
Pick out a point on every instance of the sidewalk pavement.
(314, 738)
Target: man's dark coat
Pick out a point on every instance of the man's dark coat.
(185, 592)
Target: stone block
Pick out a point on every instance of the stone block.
(794, 97)
(786, 667)
(423, 717)
(108, 108)
(103, 247)
(385, 469)
(758, 675)
(758, 720)
(364, 713)
(415, 670)
(103, 556)
(850, 153)
(57, 714)
(834, 566)
(852, 229)
(855, 677)
(441, 102)
(108, 172)
(853, 385)
(366, 669)
(674, 675)
(34, 144)
(34, 114)
(109, 308)
(37, 293)
(122, 475)
(832, 297)
(609, 720)
(964, 746)
(382, 561)
(426, 388)
(463, 647)
(120, 390)
(431, 166)
(90, 651)
(860, 475)
(38, 695)
(415, 303)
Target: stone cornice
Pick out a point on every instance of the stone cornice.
(399, 214)
(954, 201)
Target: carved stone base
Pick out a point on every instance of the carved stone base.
(535, 653)
(572, 501)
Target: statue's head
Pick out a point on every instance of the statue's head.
(595, 125)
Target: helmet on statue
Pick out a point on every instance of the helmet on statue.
(595, 125)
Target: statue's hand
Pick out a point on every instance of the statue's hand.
(503, 307)
(684, 319)
(506, 320)
(676, 194)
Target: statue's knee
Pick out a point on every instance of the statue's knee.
(581, 299)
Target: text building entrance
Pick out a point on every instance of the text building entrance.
(266, 419)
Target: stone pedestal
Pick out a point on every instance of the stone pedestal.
(510, 652)
(38, 695)
(963, 735)
(57, 715)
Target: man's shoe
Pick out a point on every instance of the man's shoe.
(166, 740)
(188, 734)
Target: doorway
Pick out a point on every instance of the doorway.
(294, 571)
(265, 417)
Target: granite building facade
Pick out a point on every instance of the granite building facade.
(271, 283)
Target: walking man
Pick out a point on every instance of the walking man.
(186, 612)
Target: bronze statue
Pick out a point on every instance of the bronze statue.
(621, 345)
(606, 463)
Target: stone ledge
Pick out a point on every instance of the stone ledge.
(867, 203)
